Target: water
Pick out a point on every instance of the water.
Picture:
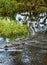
(34, 52)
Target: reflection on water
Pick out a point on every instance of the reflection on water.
(31, 55)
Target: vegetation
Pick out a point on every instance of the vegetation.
(10, 7)
(10, 29)
(7, 7)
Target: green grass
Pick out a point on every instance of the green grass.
(10, 29)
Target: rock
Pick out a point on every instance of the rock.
(6, 47)
(23, 43)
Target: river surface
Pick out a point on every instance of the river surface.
(34, 52)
